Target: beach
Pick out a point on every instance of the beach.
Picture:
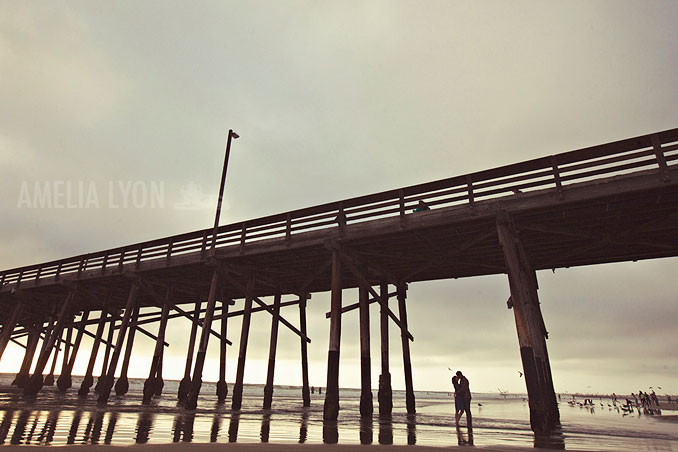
(499, 423)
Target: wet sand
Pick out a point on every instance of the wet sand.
(265, 448)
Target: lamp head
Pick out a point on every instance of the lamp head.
(234, 135)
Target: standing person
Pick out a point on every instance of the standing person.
(466, 394)
(458, 400)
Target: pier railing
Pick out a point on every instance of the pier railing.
(657, 151)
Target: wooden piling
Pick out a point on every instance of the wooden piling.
(366, 403)
(23, 375)
(385, 394)
(244, 335)
(88, 380)
(8, 327)
(67, 351)
(185, 383)
(273, 345)
(331, 406)
(154, 383)
(305, 390)
(36, 381)
(196, 380)
(407, 363)
(65, 380)
(49, 379)
(107, 383)
(122, 385)
(222, 386)
(531, 330)
(107, 354)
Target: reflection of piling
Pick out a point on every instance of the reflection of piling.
(331, 407)
(273, 345)
(89, 379)
(185, 383)
(107, 383)
(244, 335)
(65, 380)
(385, 394)
(407, 363)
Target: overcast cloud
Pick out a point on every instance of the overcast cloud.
(332, 100)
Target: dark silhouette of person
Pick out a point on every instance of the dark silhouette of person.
(466, 395)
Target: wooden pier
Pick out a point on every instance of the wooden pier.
(608, 203)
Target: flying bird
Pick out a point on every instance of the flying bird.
(521, 374)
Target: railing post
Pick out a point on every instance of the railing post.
(471, 199)
(288, 228)
(58, 271)
(556, 177)
(243, 237)
(170, 245)
(140, 250)
(122, 259)
(401, 204)
(203, 246)
(341, 219)
(103, 264)
(661, 161)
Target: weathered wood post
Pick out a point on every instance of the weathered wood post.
(185, 383)
(273, 345)
(407, 363)
(154, 383)
(160, 383)
(107, 383)
(35, 383)
(366, 403)
(67, 350)
(222, 386)
(244, 335)
(305, 391)
(385, 394)
(532, 332)
(122, 385)
(331, 406)
(107, 354)
(23, 375)
(196, 381)
(49, 379)
(65, 380)
(88, 380)
(8, 327)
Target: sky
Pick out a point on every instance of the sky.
(128, 105)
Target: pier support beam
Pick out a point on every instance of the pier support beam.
(49, 379)
(305, 390)
(185, 383)
(385, 394)
(88, 380)
(35, 383)
(242, 355)
(273, 345)
(331, 406)
(8, 327)
(154, 383)
(65, 380)
(107, 382)
(23, 375)
(532, 334)
(67, 350)
(366, 403)
(222, 386)
(107, 355)
(196, 381)
(407, 363)
(122, 385)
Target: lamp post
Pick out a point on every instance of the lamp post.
(231, 136)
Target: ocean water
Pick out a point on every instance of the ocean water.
(57, 419)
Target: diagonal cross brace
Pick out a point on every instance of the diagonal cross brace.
(266, 307)
(357, 305)
(346, 260)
